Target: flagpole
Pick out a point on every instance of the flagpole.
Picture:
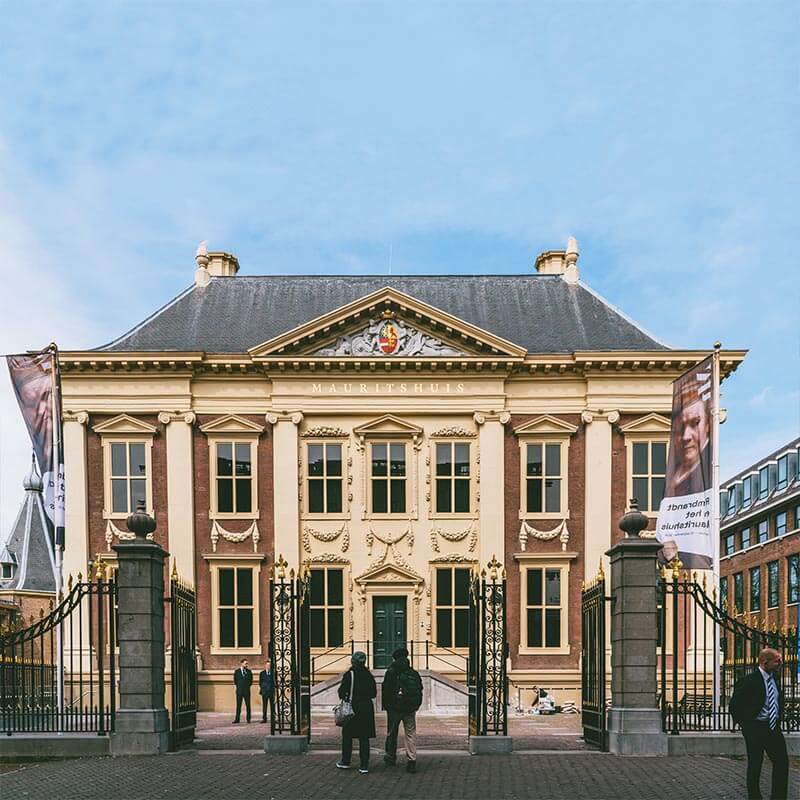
(715, 403)
(58, 547)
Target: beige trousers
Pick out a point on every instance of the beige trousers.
(409, 728)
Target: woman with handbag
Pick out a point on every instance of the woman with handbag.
(356, 714)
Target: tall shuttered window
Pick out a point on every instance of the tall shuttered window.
(452, 477)
(128, 476)
(543, 477)
(648, 472)
(452, 607)
(327, 607)
(236, 607)
(325, 478)
(234, 477)
(388, 477)
(544, 596)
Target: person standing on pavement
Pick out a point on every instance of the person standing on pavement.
(242, 680)
(359, 687)
(266, 688)
(401, 697)
(757, 705)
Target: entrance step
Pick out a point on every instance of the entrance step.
(441, 695)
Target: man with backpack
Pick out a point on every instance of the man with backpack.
(401, 696)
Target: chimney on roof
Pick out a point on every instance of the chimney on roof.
(213, 265)
(560, 262)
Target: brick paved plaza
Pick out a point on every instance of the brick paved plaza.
(550, 763)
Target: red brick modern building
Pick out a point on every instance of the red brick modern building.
(760, 539)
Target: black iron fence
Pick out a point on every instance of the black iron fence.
(695, 693)
(58, 672)
(488, 649)
(290, 651)
(593, 661)
(183, 639)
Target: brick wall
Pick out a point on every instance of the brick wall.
(575, 524)
(203, 543)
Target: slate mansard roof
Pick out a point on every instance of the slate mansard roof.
(541, 313)
(30, 543)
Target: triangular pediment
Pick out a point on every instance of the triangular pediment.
(123, 424)
(231, 423)
(546, 425)
(387, 324)
(387, 425)
(389, 573)
(652, 423)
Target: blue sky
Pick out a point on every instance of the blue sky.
(461, 137)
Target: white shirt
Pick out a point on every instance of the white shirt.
(763, 715)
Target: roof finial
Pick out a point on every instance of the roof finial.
(201, 274)
(33, 480)
(571, 274)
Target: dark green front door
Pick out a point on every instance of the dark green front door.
(388, 628)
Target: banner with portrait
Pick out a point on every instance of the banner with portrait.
(685, 516)
(36, 383)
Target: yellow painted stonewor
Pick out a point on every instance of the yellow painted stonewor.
(489, 405)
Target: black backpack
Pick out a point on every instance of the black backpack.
(409, 691)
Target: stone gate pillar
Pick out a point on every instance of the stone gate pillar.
(142, 723)
(634, 723)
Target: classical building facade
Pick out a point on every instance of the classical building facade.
(392, 433)
(760, 540)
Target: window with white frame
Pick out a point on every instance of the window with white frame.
(452, 606)
(543, 477)
(452, 478)
(755, 589)
(738, 593)
(745, 538)
(388, 477)
(129, 476)
(723, 592)
(772, 584)
(763, 483)
(730, 544)
(325, 478)
(544, 607)
(793, 576)
(233, 476)
(763, 531)
(235, 608)
(781, 523)
(783, 472)
(327, 606)
(648, 472)
(747, 491)
(731, 500)
(797, 517)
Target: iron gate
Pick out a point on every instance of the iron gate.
(593, 661)
(290, 651)
(488, 650)
(183, 617)
(58, 673)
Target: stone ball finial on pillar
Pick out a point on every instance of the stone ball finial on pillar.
(140, 523)
(633, 522)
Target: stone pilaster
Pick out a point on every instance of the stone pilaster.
(76, 545)
(180, 490)
(634, 723)
(142, 723)
(286, 476)
(492, 485)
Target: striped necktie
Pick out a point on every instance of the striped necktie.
(772, 703)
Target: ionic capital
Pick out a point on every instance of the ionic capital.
(482, 417)
(81, 417)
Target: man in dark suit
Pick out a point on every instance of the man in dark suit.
(757, 705)
(242, 680)
(266, 688)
